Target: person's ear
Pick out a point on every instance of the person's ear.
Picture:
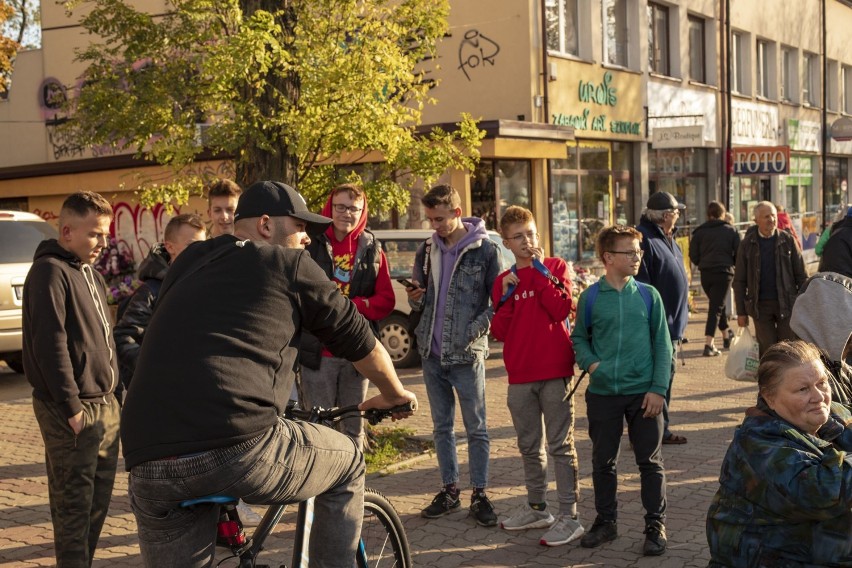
(263, 226)
(458, 211)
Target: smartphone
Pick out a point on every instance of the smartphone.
(407, 283)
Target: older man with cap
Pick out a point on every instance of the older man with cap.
(663, 268)
(203, 414)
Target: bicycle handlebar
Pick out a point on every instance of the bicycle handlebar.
(317, 414)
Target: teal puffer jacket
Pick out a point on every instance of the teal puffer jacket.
(785, 497)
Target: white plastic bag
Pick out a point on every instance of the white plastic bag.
(743, 358)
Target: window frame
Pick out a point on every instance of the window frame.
(700, 48)
(623, 7)
(739, 63)
(763, 68)
(661, 65)
(562, 9)
(788, 85)
(810, 84)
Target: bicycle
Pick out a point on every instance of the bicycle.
(383, 543)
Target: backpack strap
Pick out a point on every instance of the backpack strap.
(592, 295)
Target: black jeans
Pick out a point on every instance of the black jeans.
(716, 286)
(770, 326)
(606, 424)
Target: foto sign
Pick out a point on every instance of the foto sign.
(760, 160)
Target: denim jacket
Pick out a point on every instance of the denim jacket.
(468, 312)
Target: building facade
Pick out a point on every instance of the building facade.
(589, 106)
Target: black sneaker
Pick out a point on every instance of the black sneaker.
(482, 510)
(602, 531)
(443, 503)
(655, 539)
(727, 337)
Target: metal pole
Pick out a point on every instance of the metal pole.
(826, 138)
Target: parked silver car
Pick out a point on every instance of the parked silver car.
(20, 234)
(400, 246)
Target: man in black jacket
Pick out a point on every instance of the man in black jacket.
(837, 254)
(769, 272)
(181, 231)
(69, 359)
(203, 414)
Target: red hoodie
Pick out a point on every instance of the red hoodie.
(382, 301)
(531, 325)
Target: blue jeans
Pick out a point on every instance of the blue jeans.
(288, 463)
(469, 384)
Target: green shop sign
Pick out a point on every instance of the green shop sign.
(601, 94)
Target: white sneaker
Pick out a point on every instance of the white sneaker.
(563, 531)
(248, 517)
(527, 518)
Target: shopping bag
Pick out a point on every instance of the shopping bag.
(743, 358)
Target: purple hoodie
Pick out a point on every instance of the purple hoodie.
(449, 256)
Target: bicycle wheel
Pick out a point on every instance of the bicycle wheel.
(383, 542)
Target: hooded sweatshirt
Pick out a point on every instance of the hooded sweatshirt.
(69, 353)
(449, 256)
(347, 261)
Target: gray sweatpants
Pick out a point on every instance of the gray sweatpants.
(336, 383)
(532, 406)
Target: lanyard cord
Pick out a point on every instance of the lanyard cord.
(538, 265)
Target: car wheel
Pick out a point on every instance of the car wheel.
(15, 361)
(398, 342)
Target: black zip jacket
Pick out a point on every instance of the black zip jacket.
(713, 246)
(69, 354)
(837, 254)
(130, 329)
(217, 364)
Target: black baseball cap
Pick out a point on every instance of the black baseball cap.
(663, 201)
(278, 199)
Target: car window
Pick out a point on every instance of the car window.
(20, 238)
(400, 254)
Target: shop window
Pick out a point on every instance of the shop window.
(561, 18)
(789, 72)
(798, 184)
(497, 184)
(697, 58)
(683, 173)
(836, 175)
(615, 32)
(590, 189)
(658, 39)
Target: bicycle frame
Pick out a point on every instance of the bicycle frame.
(248, 553)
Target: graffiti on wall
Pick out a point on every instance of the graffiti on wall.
(52, 98)
(476, 50)
(136, 228)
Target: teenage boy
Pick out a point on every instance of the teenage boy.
(532, 300)
(222, 197)
(69, 359)
(625, 347)
(351, 257)
(452, 338)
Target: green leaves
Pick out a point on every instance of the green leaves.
(285, 87)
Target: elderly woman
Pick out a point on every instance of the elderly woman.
(785, 495)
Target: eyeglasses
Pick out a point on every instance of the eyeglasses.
(522, 237)
(631, 254)
(341, 208)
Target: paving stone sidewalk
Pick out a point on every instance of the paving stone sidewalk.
(706, 408)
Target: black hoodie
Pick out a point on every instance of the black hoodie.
(69, 353)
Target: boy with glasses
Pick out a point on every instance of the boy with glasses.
(613, 339)
(532, 300)
(352, 257)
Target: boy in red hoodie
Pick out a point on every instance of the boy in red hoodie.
(351, 256)
(532, 301)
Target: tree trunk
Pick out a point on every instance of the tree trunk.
(281, 163)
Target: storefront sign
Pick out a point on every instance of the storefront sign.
(841, 129)
(599, 106)
(754, 124)
(680, 107)
(761, 160)
(678, 136)
(803, 135)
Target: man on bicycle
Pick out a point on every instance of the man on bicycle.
(203, 414)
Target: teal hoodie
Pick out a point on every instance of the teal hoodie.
(622, 338)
